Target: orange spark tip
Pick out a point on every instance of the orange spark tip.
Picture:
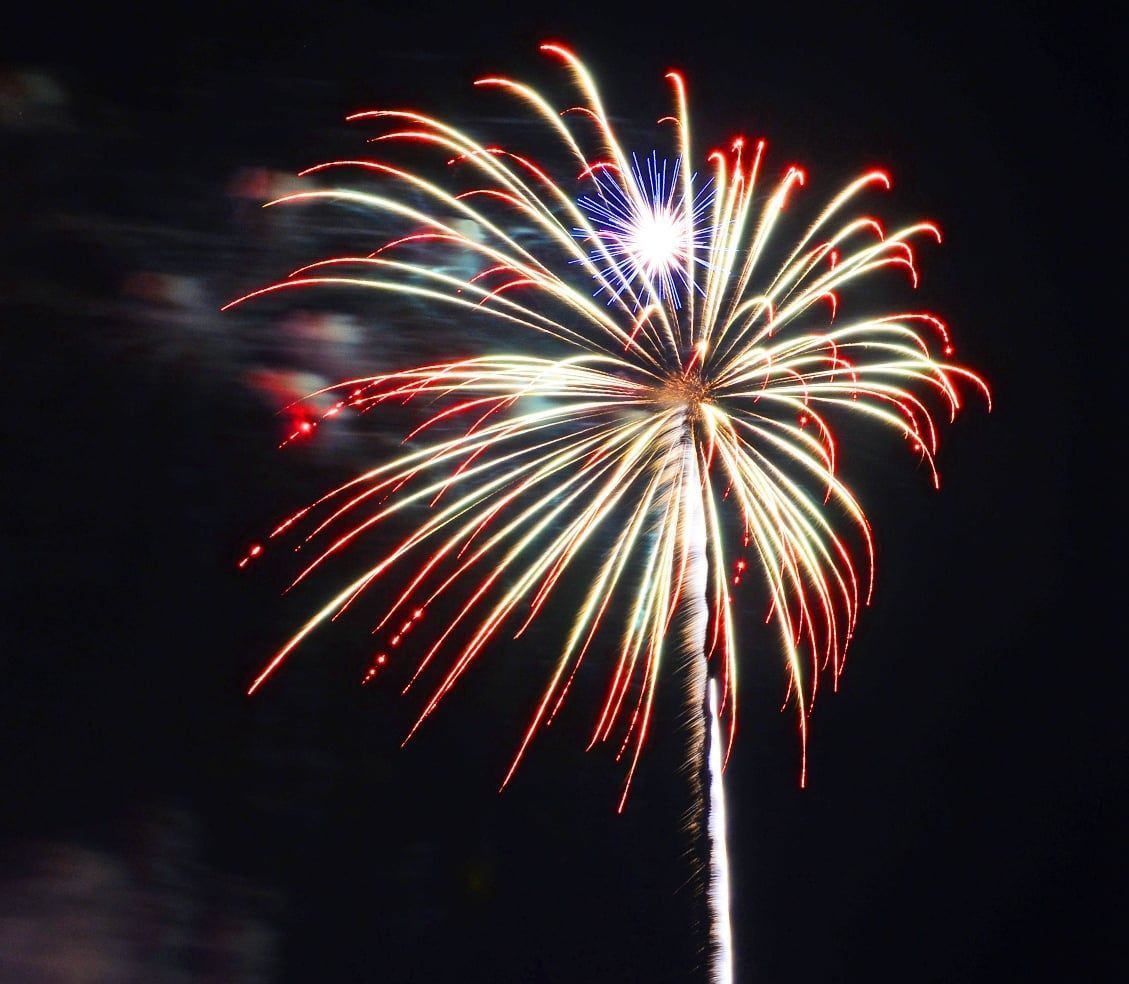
(252, 553)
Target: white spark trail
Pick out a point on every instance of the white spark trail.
(705, 726)
(721, 931)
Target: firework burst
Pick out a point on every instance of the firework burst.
(645, 228)
(683, 432)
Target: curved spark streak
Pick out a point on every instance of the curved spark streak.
(694, 382)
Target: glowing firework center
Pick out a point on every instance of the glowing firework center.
(644, 234)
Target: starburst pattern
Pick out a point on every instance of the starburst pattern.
(699, 375)
(652, 234)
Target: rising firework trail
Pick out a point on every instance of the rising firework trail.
(677, 447)
(720, 924)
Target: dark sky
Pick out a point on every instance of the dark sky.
(959, 821)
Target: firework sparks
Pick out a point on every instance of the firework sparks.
(684, 434)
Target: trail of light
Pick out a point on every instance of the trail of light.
(721, 929)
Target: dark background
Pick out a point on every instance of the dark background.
(157, 825)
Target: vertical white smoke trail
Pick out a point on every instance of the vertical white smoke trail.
(718, 891)
(705, 746)
(694, 612)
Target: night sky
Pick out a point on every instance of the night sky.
(157, 825)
